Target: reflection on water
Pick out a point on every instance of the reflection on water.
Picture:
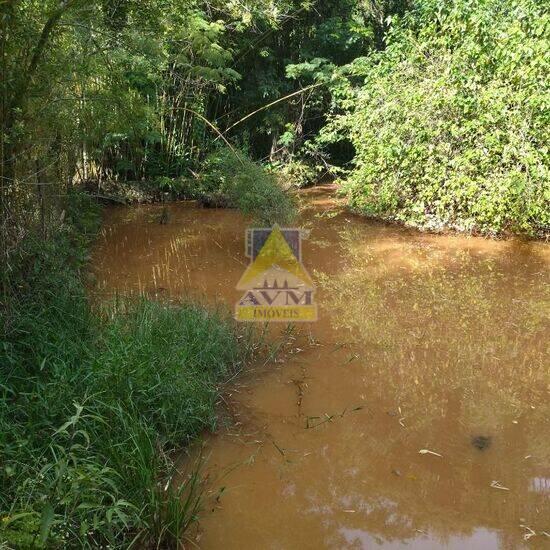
(480, 538)
(435, 343)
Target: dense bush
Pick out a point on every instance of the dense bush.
(93, 403)
(231, 179)
(295, 173)
(450, 124)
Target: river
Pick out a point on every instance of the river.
(414, 413)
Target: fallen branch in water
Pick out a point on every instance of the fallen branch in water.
(428, 452)
(497, 485)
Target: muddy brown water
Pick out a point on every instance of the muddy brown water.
(424, 343)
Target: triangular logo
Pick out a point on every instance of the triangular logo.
(277, 255)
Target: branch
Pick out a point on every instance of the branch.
(217, 132)
(45, 35)
(273, 103)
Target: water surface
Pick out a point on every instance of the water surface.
(424, 343)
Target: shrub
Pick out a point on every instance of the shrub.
(180, 187)
(296, 173)
(231, 179)
(451, 123)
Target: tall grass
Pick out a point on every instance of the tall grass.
(94, 404)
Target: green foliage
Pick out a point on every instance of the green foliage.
(295, 173)
(176, 187)
(93, 404)
(119, 93)
(281, 51)
(447, 108)
(105, 100)
(231, 179)
(450, 125)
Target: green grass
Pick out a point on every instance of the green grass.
(95, 404)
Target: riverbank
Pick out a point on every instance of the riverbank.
(94, 401)
(136, 193)
(228, 179)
